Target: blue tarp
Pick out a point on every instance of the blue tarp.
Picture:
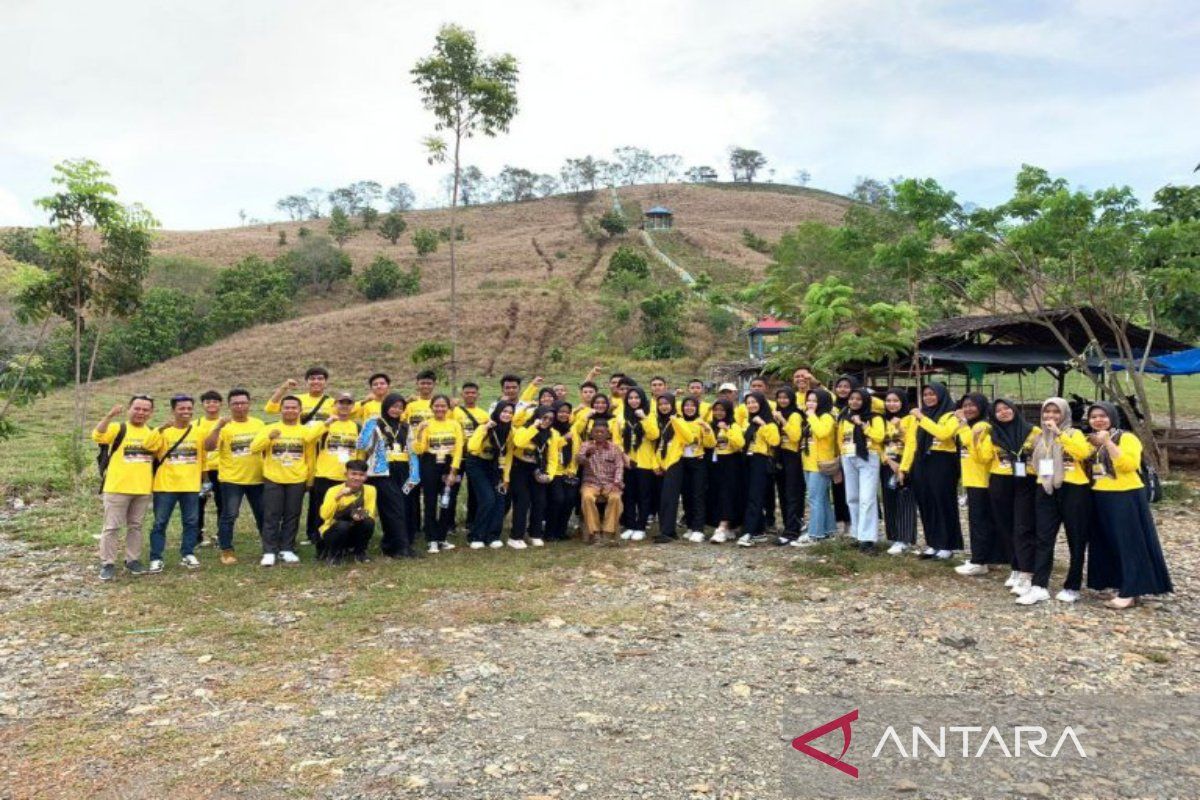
(1185, 362)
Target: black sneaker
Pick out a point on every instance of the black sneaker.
(780, 541)
(108, 572)
(135, 568)
(867, 548)
(362, 558)
(662, 538)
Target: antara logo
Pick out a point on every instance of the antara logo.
(990, 741)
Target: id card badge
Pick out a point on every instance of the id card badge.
(397, 449)
(1046, 468)
(1019, 469)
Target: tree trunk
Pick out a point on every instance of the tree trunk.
(453, 269)
(12, 393)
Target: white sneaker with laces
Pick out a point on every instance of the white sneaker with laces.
(288, 557)
(928, 551)
(477, 545)
(696, 536)
(971, 568)
(943, 554)
(268, 560)
(627, 534)
(190, 561)
(496, 545)
(537, 542)
(156, 566)
(745, 540)
(638, 536)
(720, 536)
(1067, 596)
(516, 544)
(433, 547)
(1022, 586)
(1012, 579)
(1035, 594)
(897, 548)
(804, 540)
(446, 546)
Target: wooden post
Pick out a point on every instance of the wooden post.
(1171, 404)
(1062, 381)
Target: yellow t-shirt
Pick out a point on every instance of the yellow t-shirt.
(684, 443)
(1126, 467)
(238, 464)
(1076, 452)
(943, 432)
(789, 432)
(729, 439)
(307, 404)
(417, 411)
(1000, 462)
(897, 434)
(643, 456)
(337, 444)
(211, 457)
(284, 459)
(874, 432)
(975, 469)
(481, 445)
(443, 439)
(332, 504)
(367, 409)
(765, 441)
(130, 466)
(822, 441)
(470, 418)
(182, 470)
(523, 448)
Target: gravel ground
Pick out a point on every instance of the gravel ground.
(681, 671)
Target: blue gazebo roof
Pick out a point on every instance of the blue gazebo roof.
(659, 211)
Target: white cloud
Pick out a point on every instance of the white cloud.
(14, 211)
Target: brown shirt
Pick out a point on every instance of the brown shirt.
(602, 466)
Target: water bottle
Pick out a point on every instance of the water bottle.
(445, 501)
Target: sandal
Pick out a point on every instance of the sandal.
(1122, 602)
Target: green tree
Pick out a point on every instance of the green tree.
(627, 260)
(613, 222)
(701, 174)
(400, 197)
(166, 324)
(251, 292)
(97, 255)
(1170, 255)
(315, 261)
(662, 325)
(745, 163)
(384, 278)
(369, 216)
(21, 245)
(467, 93)
(426, 241)
(392, 226)
(340, 226)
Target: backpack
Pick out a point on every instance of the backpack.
(1151, 478)
(105, 453)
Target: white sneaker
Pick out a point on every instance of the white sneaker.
(745, 540)
(943, 554)
(288, 557)
(928, 551)
(537, 542)
(1067, 596)
(477, 545)
(433, 547)
(496, 545)
(720, 536)
(970, 568)
(627, 534)
(1012, 579)
(516, 544)
(638, 536)
(446, 545)
(190, 561)
(804, 540)
(1022, 586)
(155, 566)
(268, 560)
(695, 536)
(1035, 594)
(897, 548)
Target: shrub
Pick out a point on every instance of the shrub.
(614, 222)
(282, 238)
(755, 242)
(251, 292)
(425, 241)
(444, 233)
(392, 226)
(627, 260)
(316, 262)
(340, 226)
(662, 326)
(369, 217)
(21, 245)
(384, 278)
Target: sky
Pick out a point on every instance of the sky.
(201, 110)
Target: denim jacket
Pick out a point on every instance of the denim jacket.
(375, 451)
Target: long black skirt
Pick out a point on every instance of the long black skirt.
(899, 508)
(989, 543)
(1134, 560)
(935, 481)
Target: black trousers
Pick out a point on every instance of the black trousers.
(1012, 511)
(758, 479)
(1070, 506)
(841, 511)
(694, 478)
(722, 491)
(935, 480)
(438, 520)
(899, 508)
(668, 499)
(529, 501)
(347, 536)
(483, 476)
(389, 499)
(988, 544)
(316, 496)
(281, 515)
(789, 479)
(562, 498)
(637, 497)
(212, 477)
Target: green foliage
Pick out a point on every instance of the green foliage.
(303, 233)
(425, 240)
(662, 326)
(20, 244)
(392, 226)
(282, 238)
(316, 262)
(369, 217)
(432, 354)
(384, 278)
(340, 226)
(745, 164)
(466, 91)
(629, 261)
(1170, 255)
(251, 292)
(613, 222)
(755, 242)
(444, 233)
(556, 355)
(703, 283)
(166, 324)
(720, 319)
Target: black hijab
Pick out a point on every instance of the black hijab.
(633, 434)
(541, 439)
(944, 406)
(855, 383)
(980, 402)
(791, 407)
(903, 412)
(502, 430)
(393, 430)
(1114, 419)
(563, 429)
(824, 406)
(1010, 436)
(758, 419)
(864, 413)
(666, 431)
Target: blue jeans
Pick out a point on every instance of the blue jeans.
(820, 505)
(482, 477)
(231, 505)
(189, 513)
(862, 495)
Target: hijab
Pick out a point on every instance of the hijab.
(861, 449)
(1046, 445)
(393, 430)
(824, 406)
(903, 412)
(728, 406)
(980, 402)
(758, 419)
(695, 404)
(502, 430)
(563, 429)
(1114, 419)
(633, 433)
(854, 382)
(944, 406)
(786, 413)
(541, 439)
(1010, 436)
(666, 431)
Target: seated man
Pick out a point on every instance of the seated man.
(348, 516)
(602, 470)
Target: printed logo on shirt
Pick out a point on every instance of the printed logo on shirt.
(287, 450)
(239, 445)
(185, 453)
(135, 452)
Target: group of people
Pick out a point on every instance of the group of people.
(799, 462)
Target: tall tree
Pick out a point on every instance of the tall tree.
(516, 184)
(745, 164)
(315, 197)
(701, 174)
(666, 167)
(468, 93)
(400, 197)
(635, 164)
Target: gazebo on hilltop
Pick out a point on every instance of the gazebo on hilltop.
(658, 218)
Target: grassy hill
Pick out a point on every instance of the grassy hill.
(530, 300)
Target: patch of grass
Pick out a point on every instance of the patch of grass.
(1154, 656)
(840, 559)
(692, 258)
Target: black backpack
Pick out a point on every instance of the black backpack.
(105, 453)
(1150, 477)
